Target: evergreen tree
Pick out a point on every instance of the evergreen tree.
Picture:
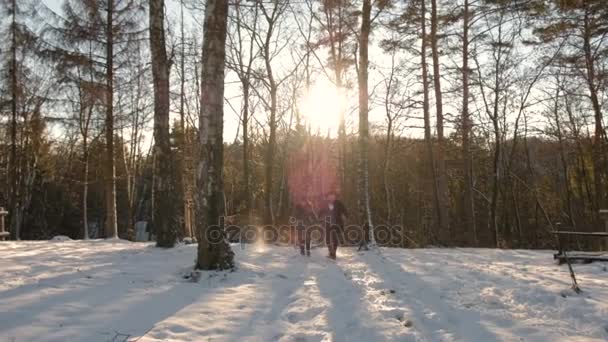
(107, 29)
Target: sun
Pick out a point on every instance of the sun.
(321, 107)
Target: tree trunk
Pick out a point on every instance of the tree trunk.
(495, 180)
(582, 177)
(110, 172)
(496, 165)
(213, 250)
(598, 150)
(85, 188)
(336, 57)
(469, 211)
(442, 186)
(270, 150)
(283, 204)
(388, 146)
(13, 182)
(427, 117)
(364, 195)
(246, 172)
(562, 155)
(164, 213)
(186, 228)
(385, 169)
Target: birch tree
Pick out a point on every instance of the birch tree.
(213, 250)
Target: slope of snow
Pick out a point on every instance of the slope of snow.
(121, 291)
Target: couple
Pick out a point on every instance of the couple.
(333, 213)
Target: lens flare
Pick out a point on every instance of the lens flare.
(322, 105)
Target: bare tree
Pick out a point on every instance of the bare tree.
(15, 226)
(241, 57)
(468, 202)
(164, 213)
(426, 111)
(364, 195)
(442, 186)
(271, 44)
(213, 251)
(337, 21)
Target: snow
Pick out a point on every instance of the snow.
(121, 291)
(60, 238)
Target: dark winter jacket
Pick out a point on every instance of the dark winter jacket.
(333, 213)
(304, 214)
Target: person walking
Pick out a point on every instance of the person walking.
(303, 217)
(335, 215)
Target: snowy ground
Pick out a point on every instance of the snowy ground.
(120, 291)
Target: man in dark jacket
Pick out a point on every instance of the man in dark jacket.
(334, 214)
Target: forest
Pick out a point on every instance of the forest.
(450, 123)
(303, 170)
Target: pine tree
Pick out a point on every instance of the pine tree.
(109, 28)
(584, 25)
(21, 101)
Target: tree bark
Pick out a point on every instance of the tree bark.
(186, 228)
(213, 250)
(243, 69)
(364, 195)
(389, 136)
(598, 150)
(469, 211)
(427, 117)
(562, 155)
(440, 159)
(164, 213)
(110, 172)
(85, 188)
(246, 171)
(13, 164)
(272, 137)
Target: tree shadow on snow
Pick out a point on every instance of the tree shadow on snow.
(432, 314)
(348, 316)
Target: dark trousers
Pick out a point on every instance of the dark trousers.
(304, 240)
(332, 239)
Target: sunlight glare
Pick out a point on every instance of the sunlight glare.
(259, 246)
(321, 106)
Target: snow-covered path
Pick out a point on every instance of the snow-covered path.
(120, 291)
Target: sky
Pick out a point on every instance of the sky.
(319, 107)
